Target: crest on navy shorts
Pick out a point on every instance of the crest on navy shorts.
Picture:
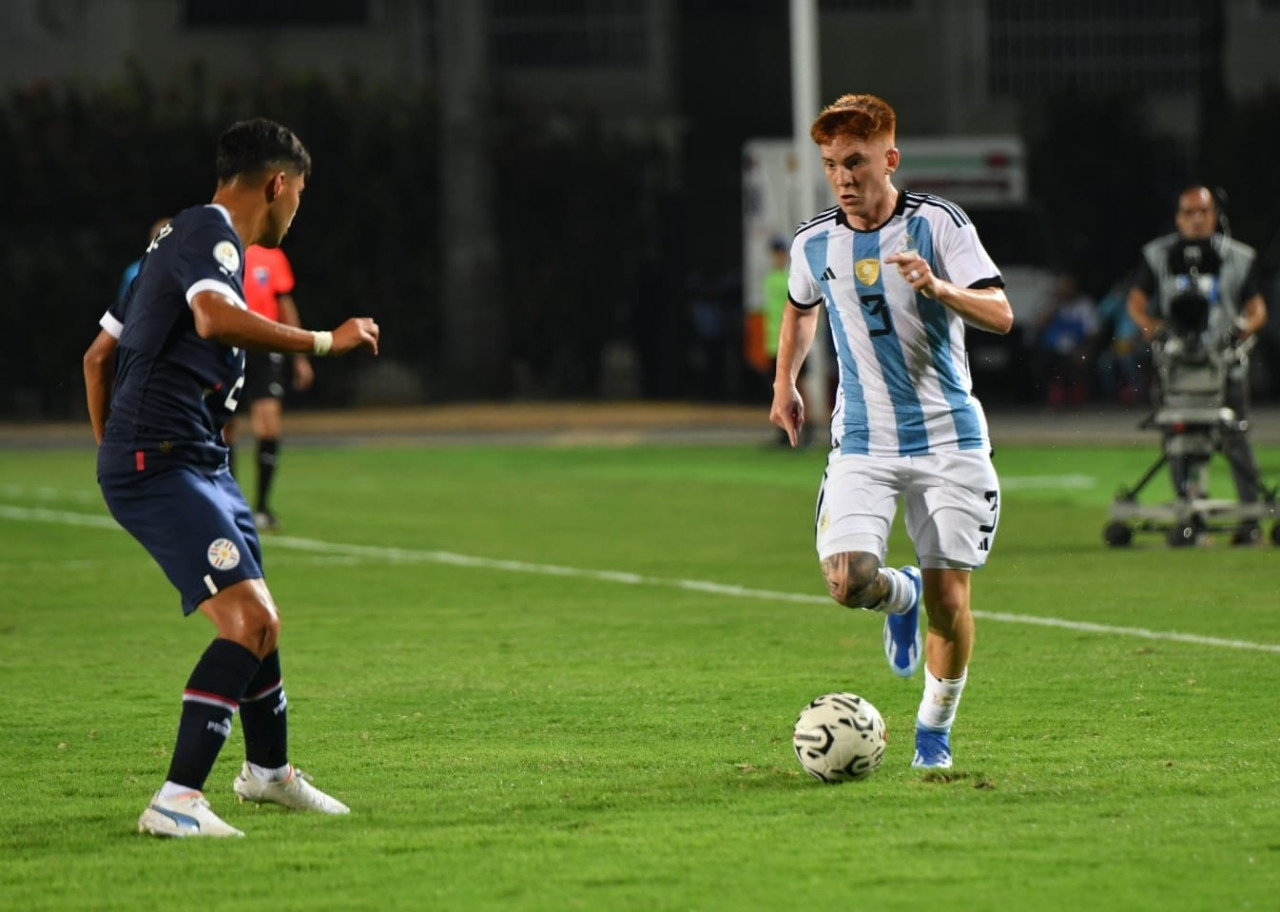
(867, 270)
(223, 554)
(227, 256)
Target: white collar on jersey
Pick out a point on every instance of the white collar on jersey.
(223, 209)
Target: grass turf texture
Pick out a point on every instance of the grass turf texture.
(521, 740)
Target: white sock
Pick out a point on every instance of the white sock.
(173, 790)
(270, 774)
(902, 594)
(941, 699)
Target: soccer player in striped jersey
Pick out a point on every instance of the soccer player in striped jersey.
(162, 379)
(900, 274)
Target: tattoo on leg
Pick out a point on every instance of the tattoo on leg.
(853, 579)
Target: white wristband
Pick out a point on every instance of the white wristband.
(323, 342)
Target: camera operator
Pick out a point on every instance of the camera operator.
(1201, 260)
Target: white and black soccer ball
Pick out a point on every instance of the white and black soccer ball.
(839, 737)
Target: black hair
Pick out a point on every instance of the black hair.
(259, 144)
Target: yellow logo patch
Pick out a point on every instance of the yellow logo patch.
(867, 271)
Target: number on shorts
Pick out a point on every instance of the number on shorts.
(993, 498)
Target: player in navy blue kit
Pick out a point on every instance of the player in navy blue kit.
(175, 350)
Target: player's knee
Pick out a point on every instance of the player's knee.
(251, 621)
(852, 577)
(947, 609)
(268, 632)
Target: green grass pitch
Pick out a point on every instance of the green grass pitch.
(506, 660)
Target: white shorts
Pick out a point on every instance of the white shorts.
(952, 506)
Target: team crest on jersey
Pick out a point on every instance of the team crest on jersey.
(867, 271)
(223, 554)
(227, 256)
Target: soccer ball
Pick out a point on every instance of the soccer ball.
(839, 737)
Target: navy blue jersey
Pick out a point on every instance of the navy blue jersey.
(174, 391)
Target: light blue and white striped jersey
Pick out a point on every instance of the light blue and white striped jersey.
(904, 388)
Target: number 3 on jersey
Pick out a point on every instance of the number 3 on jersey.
(876, 311)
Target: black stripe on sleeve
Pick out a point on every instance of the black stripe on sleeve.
(823, 216)
(956, 213)
(796, 304)
(991, 282)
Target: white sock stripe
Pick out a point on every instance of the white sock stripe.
(263, 694)
(209, 700)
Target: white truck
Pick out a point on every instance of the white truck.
(986, 175)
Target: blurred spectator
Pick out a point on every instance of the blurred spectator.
(709, 356)
(1123, 353)
(761, 329)
(761, 341)
(1066, 328)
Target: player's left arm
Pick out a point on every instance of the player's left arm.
(220, 318)
(99, 372)
(984, 307)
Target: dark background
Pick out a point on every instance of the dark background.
(602, 240)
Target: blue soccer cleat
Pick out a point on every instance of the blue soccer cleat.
(903, 641)
(933, 749)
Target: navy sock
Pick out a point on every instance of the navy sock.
(209, 701)
(268, 452)
(264, 716)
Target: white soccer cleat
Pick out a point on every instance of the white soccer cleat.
(295, 792)
(185, 815)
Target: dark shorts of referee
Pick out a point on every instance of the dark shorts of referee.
(264, 376)
(193, 521)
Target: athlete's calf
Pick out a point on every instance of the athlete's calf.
(854, 579)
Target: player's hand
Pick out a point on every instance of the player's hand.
(787, 412)
(303, 373)
(915, 271)
(358, 332)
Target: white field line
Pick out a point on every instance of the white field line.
(407, 555)
(1047, 482)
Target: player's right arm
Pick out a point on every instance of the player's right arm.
(99, 371)
(795, 338)
(219, 318)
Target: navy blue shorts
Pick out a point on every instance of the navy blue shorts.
(195, 523)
